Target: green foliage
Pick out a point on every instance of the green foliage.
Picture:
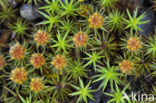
(62, 43)
(20, 27)
(143, 64)
(154, 90)
(118, 95)
(81, 0)
(4, 3)
(52, 6)
(93, 59)
(69, 8)
(107, 74)
(66, 25)
(107, 3)
(115, 21)
(153, 67)
(151, 46)
(6, 14)
(105, 43)
(59, 88)
(77, 70)
(134, 21)
(51, 19)
(32, 1)
(83, 92)
(29, 100)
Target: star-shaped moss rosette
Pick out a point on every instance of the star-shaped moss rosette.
(61, 43)
(69, 8)
(150, 46)
(143, 64)
(59, 88)
(93, 59)
(118, 96)
(20, 27)
(66, 25)
(50, 21)
(83, 92)
(6, 14)
(77, 70)
(115, 21)
(108, 75)
(106, 44)
(133, 22)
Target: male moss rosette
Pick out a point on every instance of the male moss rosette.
(36, 84)
(96, 20)
(19, 75)
(17, 51)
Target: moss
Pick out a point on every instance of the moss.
(76, 44)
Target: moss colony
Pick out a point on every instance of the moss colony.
(75, 51)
